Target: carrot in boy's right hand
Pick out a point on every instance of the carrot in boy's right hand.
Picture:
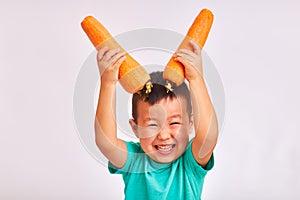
(198, 32)
(109, 62)
(132, 75)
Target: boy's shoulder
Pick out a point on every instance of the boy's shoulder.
(134, 147)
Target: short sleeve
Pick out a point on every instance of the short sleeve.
(133, 150)
(191, 163)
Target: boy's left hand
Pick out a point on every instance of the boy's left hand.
(191, 60)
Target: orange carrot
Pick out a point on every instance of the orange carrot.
(174, 71)
(132, 75)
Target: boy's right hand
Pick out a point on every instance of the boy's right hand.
(109, 62)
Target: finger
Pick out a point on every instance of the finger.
(183, 61)
(110, 53)
(119, 62)
(195, 47)
(187, 64)
(101, 52)
(116, 65)
(115, 58)
(187, 52)
(185, 56)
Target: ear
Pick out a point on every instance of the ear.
(191, 124)
(134, 127)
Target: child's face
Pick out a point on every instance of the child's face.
(163, 128)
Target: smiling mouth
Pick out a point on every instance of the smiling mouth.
(165, 148)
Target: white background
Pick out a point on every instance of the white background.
(254, 45)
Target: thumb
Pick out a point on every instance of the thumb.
(195, 47)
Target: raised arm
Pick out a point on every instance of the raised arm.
(204, 116)
(113, 148)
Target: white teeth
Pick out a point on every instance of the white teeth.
(164, 147)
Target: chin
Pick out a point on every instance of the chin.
(164, 157)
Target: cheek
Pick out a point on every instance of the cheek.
(181, 133)
(146, 144)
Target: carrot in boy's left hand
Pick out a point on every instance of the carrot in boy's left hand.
(198, 32)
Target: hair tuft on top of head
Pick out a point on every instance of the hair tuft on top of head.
(159, 91)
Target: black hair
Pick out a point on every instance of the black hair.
(159, 92)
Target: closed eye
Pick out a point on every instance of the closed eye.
(175, 123)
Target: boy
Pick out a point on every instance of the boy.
(164, 164)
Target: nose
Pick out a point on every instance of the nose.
(164, 133)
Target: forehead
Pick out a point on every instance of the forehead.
(165, 107)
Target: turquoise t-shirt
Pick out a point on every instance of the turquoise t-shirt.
(146, 179)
